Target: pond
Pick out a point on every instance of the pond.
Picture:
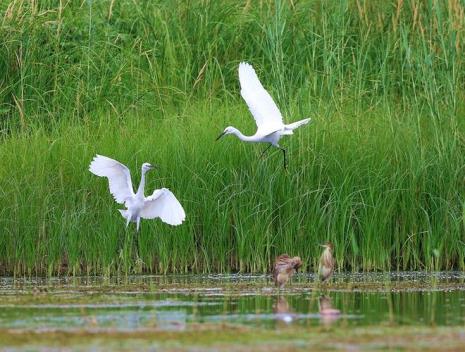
(224, 312)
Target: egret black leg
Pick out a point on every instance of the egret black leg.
(136, 244)
(263, 153)
(284, 155)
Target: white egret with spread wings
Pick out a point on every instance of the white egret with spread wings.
(161, 204)
(270, 125)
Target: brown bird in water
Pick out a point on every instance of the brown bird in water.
(284, 268)
(327, 262)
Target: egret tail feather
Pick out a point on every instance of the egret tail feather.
(126, 215)
(294, 125)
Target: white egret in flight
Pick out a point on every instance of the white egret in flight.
(270, 125)
(161, 204)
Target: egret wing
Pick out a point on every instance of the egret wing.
(164, 205)
(264, 110)
(118, 176)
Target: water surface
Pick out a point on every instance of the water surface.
(185, 303)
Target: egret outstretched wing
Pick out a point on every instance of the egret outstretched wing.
(164, 205)
(118, 176)
(264, 110)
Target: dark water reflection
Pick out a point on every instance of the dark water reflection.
(174, 302)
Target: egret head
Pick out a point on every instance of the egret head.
(328, 245)
(147, 167)
(227, 130)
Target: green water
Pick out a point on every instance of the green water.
(182, 303)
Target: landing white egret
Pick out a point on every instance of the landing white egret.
(161, 204)
(270, 125)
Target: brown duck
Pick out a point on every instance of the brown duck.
(284, 268)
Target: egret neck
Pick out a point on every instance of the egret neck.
(140, 190)
(242, 137)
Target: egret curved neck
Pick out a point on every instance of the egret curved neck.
(239, 135)
(140, 190)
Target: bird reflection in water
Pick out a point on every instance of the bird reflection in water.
(282, 311)
(328, 314)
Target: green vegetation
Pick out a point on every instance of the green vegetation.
(380, 172)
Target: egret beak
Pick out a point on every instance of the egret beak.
(221, 135)
(154, 167)
(323, 245)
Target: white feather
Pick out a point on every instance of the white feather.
(164, 205)
(270, 125)
(118, 176)
(262, 106)
(294, 125)
(161, 204)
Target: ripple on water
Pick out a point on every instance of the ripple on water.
(174, 302)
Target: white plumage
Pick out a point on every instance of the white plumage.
(161, 204)
(270, 125)
(264, 110)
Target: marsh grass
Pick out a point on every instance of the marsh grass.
(380, 172)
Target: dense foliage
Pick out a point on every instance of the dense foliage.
(380, 171)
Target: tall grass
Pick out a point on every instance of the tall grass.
(380, 172)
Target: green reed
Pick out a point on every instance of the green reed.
(380, 171)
